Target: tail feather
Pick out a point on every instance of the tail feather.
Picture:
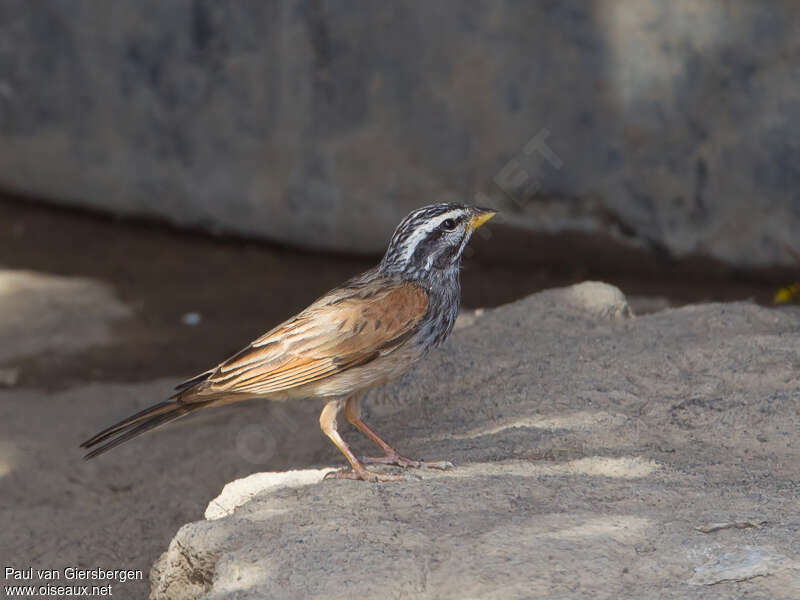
(194, 382)
(150, 411)
(137, 424)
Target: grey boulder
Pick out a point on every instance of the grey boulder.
(597, 454)
(668, 124)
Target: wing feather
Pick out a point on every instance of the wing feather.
(341, 330)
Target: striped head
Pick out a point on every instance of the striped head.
(432, 239)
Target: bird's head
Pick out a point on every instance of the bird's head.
(432, 239)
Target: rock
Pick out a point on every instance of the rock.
(587, 447)
(321, 124)
(467, 318)
(241, 491)
(122, 509)
(600, 299)
(740, 565)
(48, 313)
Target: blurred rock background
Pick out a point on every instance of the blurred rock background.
(647, 144)
(667, 126)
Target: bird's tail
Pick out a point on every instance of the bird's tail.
(135, 425)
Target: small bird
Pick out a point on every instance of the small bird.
(362, 334)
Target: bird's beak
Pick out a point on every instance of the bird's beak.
(479, 218)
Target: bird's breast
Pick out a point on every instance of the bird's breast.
(443, 305)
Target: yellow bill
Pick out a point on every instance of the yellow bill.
(480, 218)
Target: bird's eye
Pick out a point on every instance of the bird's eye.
(448, 225)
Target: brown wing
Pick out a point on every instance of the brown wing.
(346, 328)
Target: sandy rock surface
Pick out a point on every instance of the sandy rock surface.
(120, 511)
(597, 455)
(44, 312)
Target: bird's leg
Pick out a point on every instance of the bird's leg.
(352, 411)
(327, 421)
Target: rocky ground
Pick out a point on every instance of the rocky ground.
(596, 455)
(588, 445)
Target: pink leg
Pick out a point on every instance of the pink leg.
(352, 411)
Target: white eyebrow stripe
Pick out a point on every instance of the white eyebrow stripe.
(422, 232)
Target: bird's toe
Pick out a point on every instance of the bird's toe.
(364, 475)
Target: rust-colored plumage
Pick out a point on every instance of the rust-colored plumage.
(362, 334)
(338, 332)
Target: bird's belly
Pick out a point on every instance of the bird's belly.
(379, 371)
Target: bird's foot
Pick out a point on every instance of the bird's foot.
(393, 458)
(363, 474)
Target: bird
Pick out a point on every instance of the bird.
(362, 334)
